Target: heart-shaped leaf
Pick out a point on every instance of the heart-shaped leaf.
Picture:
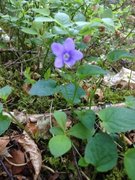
(4, 123)
(117, 119)
(87, 118)
(119, 54)
(129, 163)
(88, 70)
(80, 131)
(101, 152)
(43, 88)
(59, 145)
(61, 119)
(72, 93)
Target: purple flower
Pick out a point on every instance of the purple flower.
(66, 53)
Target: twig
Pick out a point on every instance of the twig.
(17, 165)
(6, 170)
(17, 51)
(48, 168)
(50, 118)
(127, 140)
(84, 175)
(76, 165)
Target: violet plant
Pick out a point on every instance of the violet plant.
(92, 128)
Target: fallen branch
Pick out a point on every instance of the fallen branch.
(24, 118)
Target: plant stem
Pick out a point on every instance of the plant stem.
(6, 170)
(93, 92)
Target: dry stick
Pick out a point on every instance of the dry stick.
(19, 124)
(85, 176)
(22, 51)
(6, 170)
(48, 168)
(76, 165)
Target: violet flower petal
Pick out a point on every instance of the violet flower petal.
(58, 62)
(76, 55)
(70, 63)
(69, 44)
(57, 48)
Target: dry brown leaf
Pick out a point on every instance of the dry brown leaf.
(3, 149)
(17, 162)
(35, 156)
(99, 95)
(32, 128)
(124, 78)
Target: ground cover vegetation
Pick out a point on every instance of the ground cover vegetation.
(61, 116)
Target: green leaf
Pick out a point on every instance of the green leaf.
(43, 19)
(1, 108)
(108, 21)
(43, 88)
(119, 54)
(117, 119)
(43, 11)
(47, 74)
(129, 163)
(107, 13)
(4, 123)
(87, 118)
(61, 119)
(80, 131)
(72, 93)
(5, 92)
(58, 30)
(62, 18)
(59, 145)
(101, 152)
(29, 31)
(79, 17)
(82, 162)
(56, 131)
(130, 101)
(87, 70)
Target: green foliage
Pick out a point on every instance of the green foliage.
(87, 70)
(103, 31)
(119, 54)
(117, 119)
(80, 131)
(4, 123)
(130, 101)
(43, 88)
(5, 92)
(87, 118)
(72, 93)
(101, 151)
(129, 161)
(59, 145)
(61, 119)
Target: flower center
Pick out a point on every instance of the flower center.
(66, 56)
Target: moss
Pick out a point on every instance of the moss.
(116, 95)
(116, 174)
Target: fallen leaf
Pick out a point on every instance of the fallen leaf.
(16, 163)
(32, 128)
(3, 149)
(125, 78)
(99, 95)
(35, 156)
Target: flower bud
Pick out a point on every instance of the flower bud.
(87, 39)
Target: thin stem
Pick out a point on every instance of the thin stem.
(5, 168)
(93, 92)
(76, 164)
(76, 150)
(130, 76)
